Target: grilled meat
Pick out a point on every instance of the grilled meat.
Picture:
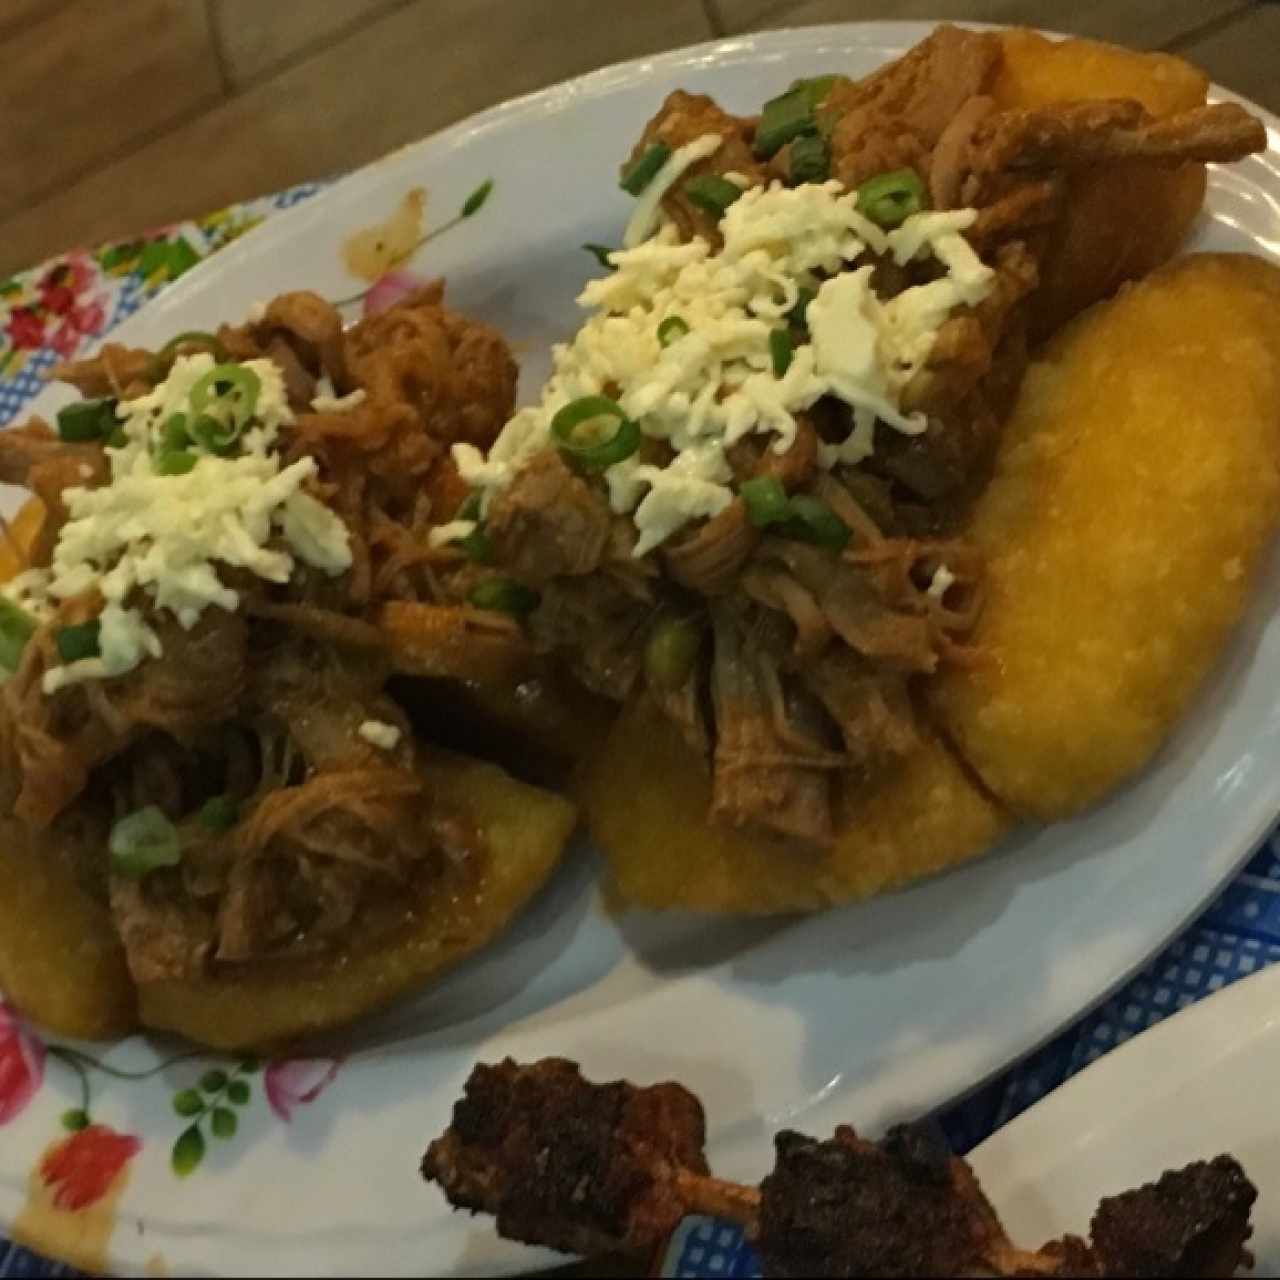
(593, 1168)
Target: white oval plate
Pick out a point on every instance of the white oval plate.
(1194, 1086)
(865, 1014)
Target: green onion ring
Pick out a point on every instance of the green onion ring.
(780, 351)
(595, 457)
(811, 520)
(234, 389)
(766, 501)
(504, 595)
(672, 329)
(671, 652)
(645, 169)
(219, 814)
(712, 193)
(144, 841)
(17, 626)
(163, 359)
(889, 199)
(86, 420)
(79, 642)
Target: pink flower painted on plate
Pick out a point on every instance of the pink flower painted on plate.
(296, 1082)
(391, 288)
(81, 322)
(21, 1065)
(83, 1168)
(25, 329)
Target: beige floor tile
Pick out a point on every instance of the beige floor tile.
(1144, 23)
(92, 78)
(401, 78)
(1245, 55)
(257, 35)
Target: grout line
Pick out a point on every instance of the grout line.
(711, 11)
(219, 46)
(1210, 28)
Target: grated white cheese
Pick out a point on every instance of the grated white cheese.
(327, 402)
(715, 384)
(943, 580)
(164, 537)
(453, 531)
(380, 734)
(644, 217)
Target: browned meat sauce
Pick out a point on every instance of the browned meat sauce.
(262, 707)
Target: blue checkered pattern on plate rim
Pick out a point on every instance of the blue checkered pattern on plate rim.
(1237, 935)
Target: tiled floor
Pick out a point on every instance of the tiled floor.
(121, 114)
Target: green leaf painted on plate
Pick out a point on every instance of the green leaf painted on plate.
(187, 1102)
(223, 1123)
(475, 201)
(182, 257)
(238, 1093)
(75, 1120)
(213, 1081)
(249, 1066)
(187, 1152)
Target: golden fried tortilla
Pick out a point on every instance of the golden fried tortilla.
(1136, 490)
(1121, 221)
(526, 830)
(646, 799)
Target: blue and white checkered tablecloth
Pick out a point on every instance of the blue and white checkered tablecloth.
(50, 312)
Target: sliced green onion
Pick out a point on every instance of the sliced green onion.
(672, 329)
(118, 438)
(163, 360)
(142, 842)
(811, 520)
(174, 462)
(766, 501)
(810, 159)
(798, 316)
(818, 88)
(601, 252)
(229, 394)
(213, 435)
(86, 420)
(17, 626)
(889, 199)
(470, 508)
(79, 642)
(711, 192)
(594, 455)
(478, 545)
(504, 595)
(671, 653)
(174, 435)
(219, 814)
(785, 117)
(645, 169)
(780, 351)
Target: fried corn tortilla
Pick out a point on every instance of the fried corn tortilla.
(1136, 490)
(526, 828)
(1121, 221)
(646, 798)
(62, 964)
